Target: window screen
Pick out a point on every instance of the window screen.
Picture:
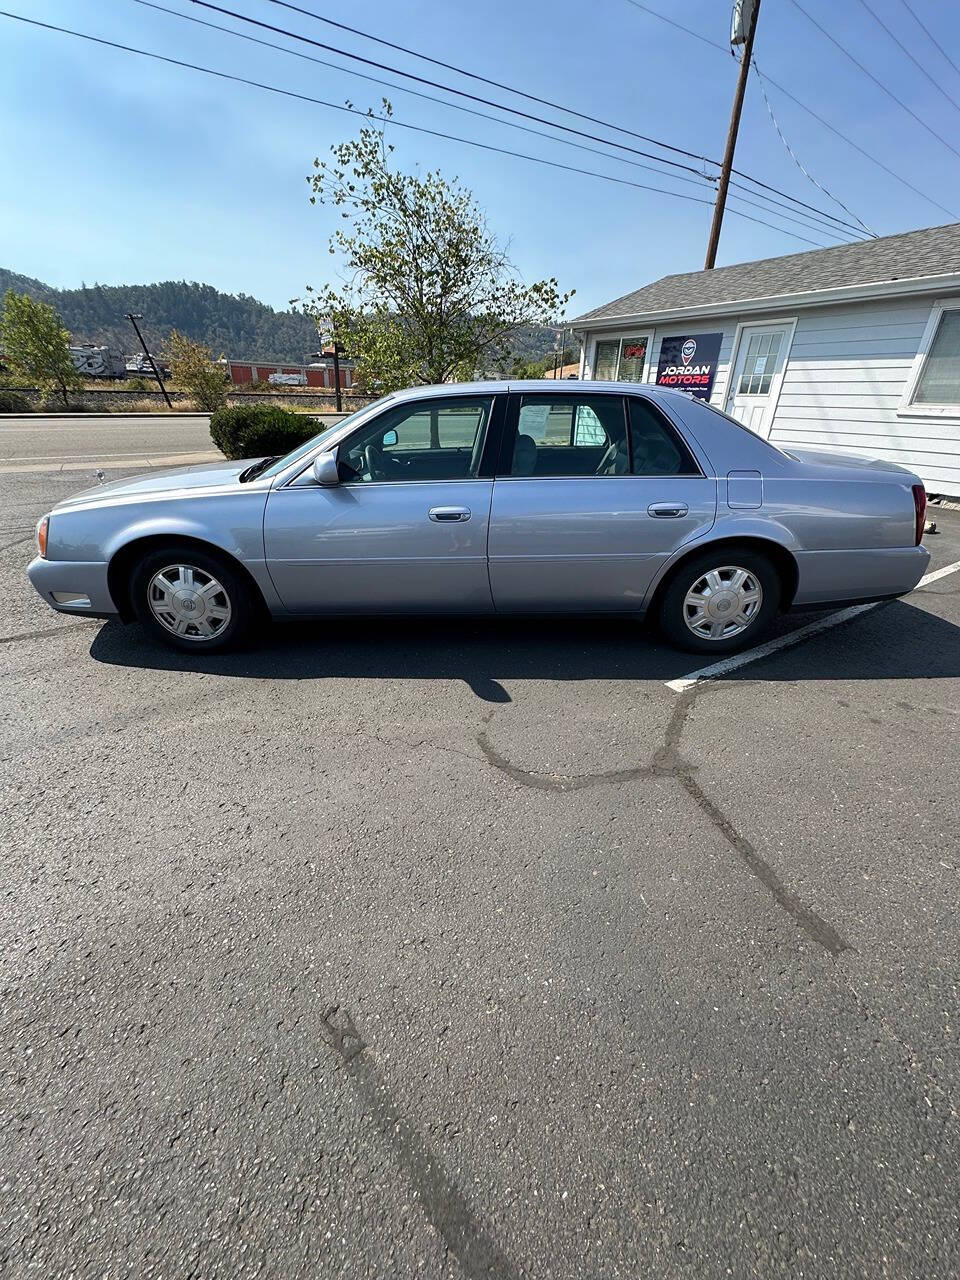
(633, 353)
(605, 361)
(940, 379)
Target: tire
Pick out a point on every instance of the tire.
(726, 612)
(192, 599)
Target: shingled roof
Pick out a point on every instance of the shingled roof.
(934, 251)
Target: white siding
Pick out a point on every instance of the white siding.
(845, 376)
(844, 381)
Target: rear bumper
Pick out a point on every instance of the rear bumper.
(830, 577)
(73, 586)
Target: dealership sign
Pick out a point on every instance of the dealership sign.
(689, 363)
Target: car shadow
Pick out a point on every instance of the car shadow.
(895, 641)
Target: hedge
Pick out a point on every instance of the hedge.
(255, 430)
(14, 402)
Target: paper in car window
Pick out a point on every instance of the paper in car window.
(533, 421)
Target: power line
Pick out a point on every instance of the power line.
(370, 115)
(929, 34)
(700, 180)
(879, 83)
(916, 62)
(207, 4)
(433, 84)
(662, 17)
(796, 159)
(810, 221)
(856, 146)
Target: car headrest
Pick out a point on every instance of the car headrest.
(524, 456)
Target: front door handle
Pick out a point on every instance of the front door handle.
(667, 510)
(449, 515)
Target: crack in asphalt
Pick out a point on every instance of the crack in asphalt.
(441, 1200)
(50, 631)
(669, 762)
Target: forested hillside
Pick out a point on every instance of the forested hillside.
(231, 324)
(234, 325)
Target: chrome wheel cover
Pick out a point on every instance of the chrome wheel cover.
(723, 602)
(189, 602)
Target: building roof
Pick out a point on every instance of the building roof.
(934, 251)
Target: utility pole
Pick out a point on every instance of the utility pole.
(153, 365)
(746, 12)
(338, 399)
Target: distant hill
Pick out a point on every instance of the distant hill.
(234, 325)
(230, 324)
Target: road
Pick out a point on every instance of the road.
(474, 949)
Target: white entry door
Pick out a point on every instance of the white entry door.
(757, 374)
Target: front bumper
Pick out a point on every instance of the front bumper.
(73, 586)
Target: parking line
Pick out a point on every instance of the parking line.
(795, 637)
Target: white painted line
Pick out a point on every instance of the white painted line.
(938, 573)
(795, 637)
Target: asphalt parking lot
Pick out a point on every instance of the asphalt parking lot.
(472, 949)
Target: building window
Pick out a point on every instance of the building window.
(620, 359)
(939, 381)
(759, 364)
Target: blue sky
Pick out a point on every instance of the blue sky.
(121, 170)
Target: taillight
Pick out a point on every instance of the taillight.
(920, 507)
(42, 528)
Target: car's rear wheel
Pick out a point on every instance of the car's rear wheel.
(191, 599)
(720, 601)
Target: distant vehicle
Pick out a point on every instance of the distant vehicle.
(97, 362)
(139, 366)
(495, 497)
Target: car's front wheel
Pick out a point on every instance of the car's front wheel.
(191, 599)
(720, 601)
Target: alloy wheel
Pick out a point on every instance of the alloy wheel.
(722, 603)
(189, 602)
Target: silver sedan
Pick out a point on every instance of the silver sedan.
(494, 497)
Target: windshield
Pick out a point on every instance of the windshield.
(308, 446)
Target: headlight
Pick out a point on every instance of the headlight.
(43, 526)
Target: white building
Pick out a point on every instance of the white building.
(852, 348)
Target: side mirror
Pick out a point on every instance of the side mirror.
(325, 470)
(389, 438)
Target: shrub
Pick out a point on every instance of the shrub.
(14, 402)
(194, 369)
(254, 430)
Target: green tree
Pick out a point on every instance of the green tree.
(36, 345)
(193, 368)
(432, 294)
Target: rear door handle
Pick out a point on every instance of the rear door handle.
(667, 510)
(449, 515)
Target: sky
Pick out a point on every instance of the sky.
(117, 169)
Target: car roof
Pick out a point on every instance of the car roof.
(568, 386)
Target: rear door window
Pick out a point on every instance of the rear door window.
(571, 435)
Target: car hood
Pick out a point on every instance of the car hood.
(207, 475)
(856, 461)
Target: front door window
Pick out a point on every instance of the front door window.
(439, 439)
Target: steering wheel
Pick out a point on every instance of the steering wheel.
(374, 460)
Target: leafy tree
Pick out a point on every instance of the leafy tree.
(432, 293)
(36, 345)
(524, 368)
(192, 366)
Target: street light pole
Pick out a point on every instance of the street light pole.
(732, 132)
(156, 372)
